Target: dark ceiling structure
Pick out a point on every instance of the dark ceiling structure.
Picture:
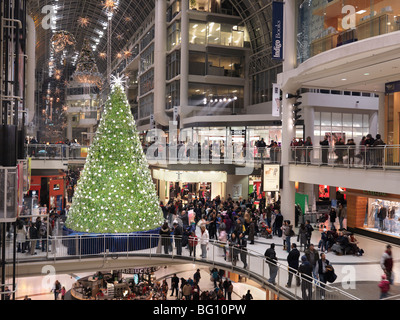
(127, 20)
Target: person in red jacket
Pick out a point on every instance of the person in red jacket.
(193, 241)
(384, 285)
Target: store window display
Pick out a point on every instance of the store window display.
(383, 216)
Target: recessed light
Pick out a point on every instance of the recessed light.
(344, 79)
(366, 74)
(361, 11)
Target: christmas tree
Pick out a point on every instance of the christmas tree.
(115, 192)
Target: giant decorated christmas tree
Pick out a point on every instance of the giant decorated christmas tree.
(115, 192)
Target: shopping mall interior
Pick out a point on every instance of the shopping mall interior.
(200, 150)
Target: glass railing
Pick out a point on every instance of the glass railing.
(247, 262)
(181, 153)
(374, 157)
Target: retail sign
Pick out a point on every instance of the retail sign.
(238, 132)
(271, 177)
(276, 100)
(139, 270)
(375, 193)
(277, 30)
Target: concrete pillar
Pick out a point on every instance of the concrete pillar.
(160, 72)
(184, 79)
(30, 69)
(288, 190)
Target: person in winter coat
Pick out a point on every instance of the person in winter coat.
(342, 214)
(223, 238)
(271, 259)
(21, 236)
(302, 237)
(332, 218)
(384, 285)
(387, 263)
(193, 241)
(278, 222)
(252, 231)
(34, 236)
(293, 262)
(305, 271)
(165, 236)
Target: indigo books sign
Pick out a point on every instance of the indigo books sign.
(277, 30)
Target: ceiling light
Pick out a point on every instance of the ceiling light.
(366, 74)
(344, 79)
(361, 11)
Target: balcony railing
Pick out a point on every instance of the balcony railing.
(383, 157)
(153, 247)
(180, 154)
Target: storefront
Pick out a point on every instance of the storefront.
(186, 185)
(374, 214)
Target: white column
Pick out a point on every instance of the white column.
(30, 68)
(160, 73)
(288, 190)
(184, 81)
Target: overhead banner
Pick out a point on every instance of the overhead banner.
(271, 177)
(277, 30)
(276, 101)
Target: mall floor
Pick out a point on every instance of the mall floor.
(358, 276)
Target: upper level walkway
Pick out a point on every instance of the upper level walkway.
(357, 276)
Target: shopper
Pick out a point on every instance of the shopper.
(243, 249)
(384, 287)
(21, 236)
(308, 149)
(323, 263)
(325, 150)
(165, 236)
(312, 256)
(332, 218)
(56, 289)
(387, 263)
(341, 214)
(293, 263)
(309, 231)
(193, 241)
(302, 237)
(178, 232)
(174, 285)
(204, 241)
(271, 259)
(305, 271)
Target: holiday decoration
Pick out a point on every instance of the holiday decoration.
(61, 39)
(86, 68)
(83, 21)
(115, 192)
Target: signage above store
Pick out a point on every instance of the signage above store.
(277, 30)
(139, 270)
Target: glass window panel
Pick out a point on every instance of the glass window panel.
(366, 121)
(214, 33)
(317, 132)
(197, 32)
(317, 118)
(326, 119)
(357, 120)
(336, 119)
(347, 120)
(197, 63)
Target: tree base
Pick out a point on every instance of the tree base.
(80, 243)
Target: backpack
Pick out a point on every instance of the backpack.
(291, 233)
(43, 229)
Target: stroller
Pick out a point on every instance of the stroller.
(265, 231)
